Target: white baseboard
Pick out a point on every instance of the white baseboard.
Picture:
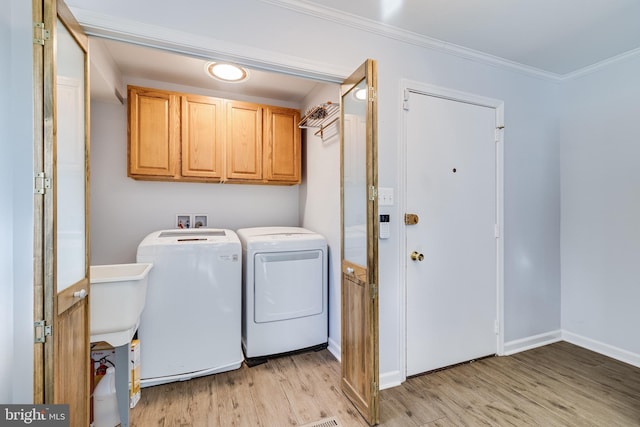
(387, 380)
(335, 349)
(391, 379)
(602, 348)
(395, 378)
(528, 343)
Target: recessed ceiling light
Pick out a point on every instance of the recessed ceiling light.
(226, 72)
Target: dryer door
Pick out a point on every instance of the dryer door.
(288, 285)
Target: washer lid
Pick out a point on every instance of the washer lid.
(195, 235)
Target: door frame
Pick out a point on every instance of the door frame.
(409, 87)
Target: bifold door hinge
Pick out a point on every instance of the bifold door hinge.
(373, 193)
(496, 231)
(41, 331)
(405, 100)
(41, 183)
(40, 34)
(372, 94)
(374, 389)
(374, 291)
(496, 327)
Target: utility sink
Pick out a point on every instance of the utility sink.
(118, 295)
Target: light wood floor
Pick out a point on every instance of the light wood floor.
(555, 385)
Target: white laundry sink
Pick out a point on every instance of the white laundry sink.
(118, 295)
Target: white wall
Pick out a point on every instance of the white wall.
(16, 208)
(6, 215)
(601, 210)
(532, 202)
(320, 199)
(124, 210)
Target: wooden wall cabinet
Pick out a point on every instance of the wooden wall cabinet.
(282, 145)
(244, 141)
(154, 133)
(184, 137)
(202, 137)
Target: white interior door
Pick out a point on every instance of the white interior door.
(452, 274)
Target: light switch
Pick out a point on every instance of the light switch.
(385, 196)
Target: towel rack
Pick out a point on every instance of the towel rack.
(321, 116)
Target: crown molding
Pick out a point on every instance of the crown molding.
(600, 65)
(375, 27)
(409, 37)
(117, 28)
(120, 29)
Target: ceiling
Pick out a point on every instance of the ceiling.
(550, 36)
(139, 62)
(556, 36)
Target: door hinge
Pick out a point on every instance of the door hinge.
(374, 389)
(41, 183)
(496, 327)
(405, 100)
(374, 291)
(40, 34)
(497, 133)
(373, 193)
(496, 231)
(372, 94)
(41, 331)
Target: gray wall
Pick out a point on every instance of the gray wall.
(124, 210)
(601, 210)
(6, 215)
(16, 208)
(598, 129)
(320, 199)
(532, 201)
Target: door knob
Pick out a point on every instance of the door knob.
(416, 256)
(80, 294)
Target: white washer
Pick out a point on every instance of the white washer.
(285, 289)
(190, 325)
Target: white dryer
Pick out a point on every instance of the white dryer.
(285, 290)
(190, 325)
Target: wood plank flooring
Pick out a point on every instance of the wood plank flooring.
(555, 385)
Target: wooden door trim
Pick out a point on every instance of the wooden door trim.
(69, 21)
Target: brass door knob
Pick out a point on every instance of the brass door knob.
(416, 256)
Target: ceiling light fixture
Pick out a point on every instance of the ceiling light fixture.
(360, 94)
(226, 72)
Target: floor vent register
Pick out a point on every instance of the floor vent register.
(325, 422)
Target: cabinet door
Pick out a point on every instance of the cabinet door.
(282, 145)
(154, 132)
(244, 141)
(202, 136)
